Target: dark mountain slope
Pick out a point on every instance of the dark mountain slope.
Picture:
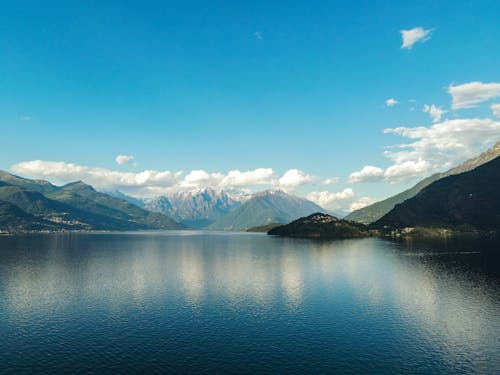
(375, 211)
(12, 218)
(320, 225)
(470, 199)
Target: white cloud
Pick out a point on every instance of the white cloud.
(495, 108)
(259, 176)
(434, 148)
(124, 159)
(61, 172)
(200, 178)
(360, 203)
(326, 199)
(293, 178)
(412, 36)
(367, 174)
(444, 144)
(146, 183)
(391, 102)
(468, 95)
(435, 112)
(345, 200)
(406, 170)
(331, 181)
(258, 35)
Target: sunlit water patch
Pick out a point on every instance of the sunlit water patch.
(195, 302)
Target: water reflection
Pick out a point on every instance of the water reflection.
(426, 290)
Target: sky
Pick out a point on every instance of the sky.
(344, 103)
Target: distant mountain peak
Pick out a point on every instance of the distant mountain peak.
(195, 208)
(265, 207)
(78, 186)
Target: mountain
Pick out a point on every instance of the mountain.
(320, 225)
(40, 205)
(469, 200)
(40, 186)
(372, 213)
(266, 207)
(125, 197)
(12, 218)
(195, 209)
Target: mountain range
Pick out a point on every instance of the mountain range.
(270, 206)
(28, 205)
(38, 205)
(194, 209)
(221, 210)
(469, 200)
(463, 197)
(376, 211)
(466, 202)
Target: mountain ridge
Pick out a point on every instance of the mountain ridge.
(467, 200)
(266, 207)
(195, 209)
(375, 211)
(74, 206)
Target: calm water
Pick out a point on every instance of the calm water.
(195, 302)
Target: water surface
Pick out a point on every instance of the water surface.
(196, 302)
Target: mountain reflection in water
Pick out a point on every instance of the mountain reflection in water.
(351, 305)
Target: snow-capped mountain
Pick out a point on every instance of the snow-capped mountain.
(266, 207)
(195, 209)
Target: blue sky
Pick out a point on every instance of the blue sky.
(245, 86)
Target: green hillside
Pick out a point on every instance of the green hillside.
(75, 206)
(264, 208)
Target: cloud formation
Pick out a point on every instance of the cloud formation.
(331, 200)
(369, 173)
(433, 148)
(469, 95)
(331, 181)
(412, 36)
(150, 183)
(391, 102)
(360, 203)
(259, 176)
(124, 159)
(346, 200)
(495, 108)
(435, 112)
(293, 178)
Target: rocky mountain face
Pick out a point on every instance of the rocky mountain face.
(374, 212)
(319, 225)
(266, 207)
(468, 200)
(38, 205)
(195, 209)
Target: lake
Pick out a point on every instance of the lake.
(201, 302)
